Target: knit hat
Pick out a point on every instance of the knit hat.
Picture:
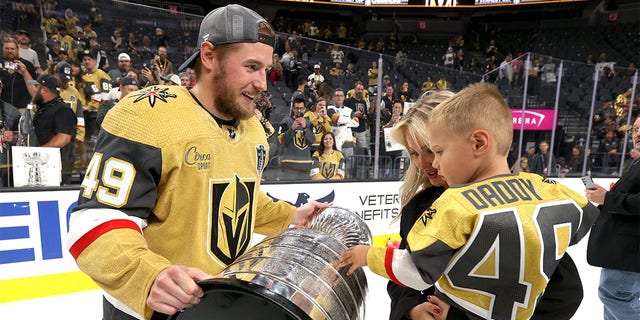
(230, 24)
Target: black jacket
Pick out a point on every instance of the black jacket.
(614, 242)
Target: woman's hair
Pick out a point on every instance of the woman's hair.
(321, 146)
(413, 127)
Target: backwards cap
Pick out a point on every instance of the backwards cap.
(230, 24)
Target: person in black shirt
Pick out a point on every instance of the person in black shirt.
(54, 121)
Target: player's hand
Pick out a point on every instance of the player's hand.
(355, 258)
(308, 211)
(175, 288)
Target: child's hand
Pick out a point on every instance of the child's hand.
(356, 257)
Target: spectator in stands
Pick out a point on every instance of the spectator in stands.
(88, 31)
(449, 58)
(315, 79)
(388, 97)
(603, 57)
(275, 72)
(54, 122)
(352, 91)
(97, 85)
(264, 104)
(629, 72)
(442, 83)
(124, 65)
(359, 106)
(127, 85)
(24, 41)
(170, 80)
(623, 102)
(292, 67)
(150, 75)
(548, 71)
(394, 118)
(473, 65)
(608, 151)
(342, 33)
(524, 165)
(373, 77)
(301, 92)
(103, 58)
(162, 61)
(184, 79)
(66, 41)
(517, 68)
(117, 41)
(460, 59)
(491, 65)
(386, 81)
(406, 93)
(606, 112)
(15, 74)
(634, 155)
(320, 121)
(590, 60)
(76, 79)
(506, 72)
(337, 70)
(161, 39)
(349, 71)
(491, 51)
(540, 162)
(342, 119)
(428, 85)
(70, 20)
(328, 163)
(296, 136)
(132, 43)
(192, 76)
(574, 164)
(72, 97)
(9, 117)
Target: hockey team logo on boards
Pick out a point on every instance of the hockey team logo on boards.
(153, 94)
(231, 218)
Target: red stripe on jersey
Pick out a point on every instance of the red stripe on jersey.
(388, 261)
(99, 230)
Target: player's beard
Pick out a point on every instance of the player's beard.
(226, 100)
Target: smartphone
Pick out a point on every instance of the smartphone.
(588, 183)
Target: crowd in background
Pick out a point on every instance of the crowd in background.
(315, 66)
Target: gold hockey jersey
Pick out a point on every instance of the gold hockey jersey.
(490, 247)
(169, 185)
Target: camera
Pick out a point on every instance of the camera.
(151, 67)
(10, 65)
(299, 115)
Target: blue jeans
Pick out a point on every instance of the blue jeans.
(619, 291)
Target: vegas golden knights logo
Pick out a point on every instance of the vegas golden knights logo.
(299, 141)
(328, 169)
(232, 213)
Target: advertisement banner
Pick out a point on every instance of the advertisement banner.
(538, 119)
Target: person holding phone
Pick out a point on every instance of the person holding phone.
(614, 243)
(296, 136)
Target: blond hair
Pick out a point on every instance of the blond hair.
(413, 127)
(478, 106)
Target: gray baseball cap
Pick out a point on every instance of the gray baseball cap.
(64, 70)
(230, 24)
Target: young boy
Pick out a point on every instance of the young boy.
(490, 242)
